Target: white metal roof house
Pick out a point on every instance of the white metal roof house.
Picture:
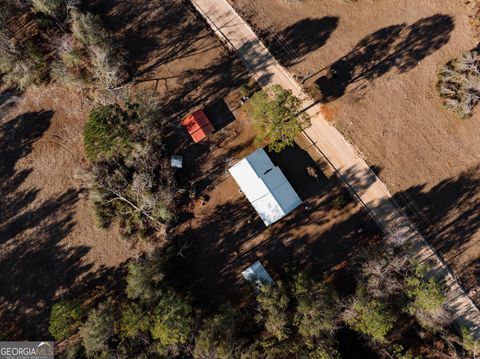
(265, 186)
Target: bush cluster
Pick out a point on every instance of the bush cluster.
(22, 63)
(86, 56)
(132, 178)
(459, 84)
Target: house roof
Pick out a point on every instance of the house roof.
(198, 125)
(265, 186)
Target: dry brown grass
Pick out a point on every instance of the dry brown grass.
(474, 17)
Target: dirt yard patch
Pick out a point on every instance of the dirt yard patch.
(373, 64)
(172, 53)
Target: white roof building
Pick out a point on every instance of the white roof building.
(176, 161)
(257, 274)
(265, 186)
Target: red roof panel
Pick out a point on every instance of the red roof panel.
(198, 125)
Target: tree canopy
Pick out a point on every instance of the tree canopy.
(426, 298)
(277, 117)
(132, 177)
(371, 317)
(216, 337)
(107, 132)
(172, 320)
(273, 302)
(65, 318)
(96, 331)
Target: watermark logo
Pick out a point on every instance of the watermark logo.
(26, 350)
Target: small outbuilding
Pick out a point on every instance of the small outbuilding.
(257, 274)
(198, 125)
(176, 161)
(265, 186)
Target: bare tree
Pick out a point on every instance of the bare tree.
(383, 275)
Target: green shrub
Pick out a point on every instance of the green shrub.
(371, 317)
(64, 319)
(316, 313)
(47, 7)
(132, 180)
(23, 65)
(142, 280)
(97, 330)
(172, 320)
(88, 29)
(426, 299)
(469, 342)
(134, 320)
(216, 337)
(273, 302)
(325, 353)
(401, 353)
(107, 133)
(426, 295)
(76, 351)
(71, 68)
(104, 215)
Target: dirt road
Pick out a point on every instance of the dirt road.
(349, 164)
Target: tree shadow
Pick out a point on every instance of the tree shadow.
(33, 264)
(198, 175)
(398, 47)
(352, 346)
(305, 36)
(9, 97)
(203, 87)
(301, 171)
(37, 267)
(219, 114)
(155, 33)
(229, 237)
(445, 214)
(17, 137)
(448, 216)
(159, 33)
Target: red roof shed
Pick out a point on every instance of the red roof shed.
(198, 125)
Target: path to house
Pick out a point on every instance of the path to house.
(344, 159)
